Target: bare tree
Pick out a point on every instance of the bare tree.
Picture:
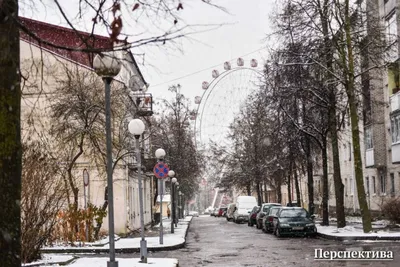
(43, 196)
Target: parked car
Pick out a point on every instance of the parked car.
(230, 211)
(221, 211)
(214, 212)
(252, 216)
(244, 205)
(264, 210)
(193, 213)
(268, 219)
(293, 221)
(292, 204)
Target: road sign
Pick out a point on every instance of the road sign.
(161, 170)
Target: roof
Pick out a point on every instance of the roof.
(64, 37)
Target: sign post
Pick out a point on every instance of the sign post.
(161, 170)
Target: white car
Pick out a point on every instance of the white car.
(193, 213)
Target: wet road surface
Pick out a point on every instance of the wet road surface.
(216, 242)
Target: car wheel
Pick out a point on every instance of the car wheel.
(278, 232)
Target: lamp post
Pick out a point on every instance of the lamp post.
(175, 203)
(107, 67)
(136, 127)
(160, 154)
(171, 174)
(180, 205)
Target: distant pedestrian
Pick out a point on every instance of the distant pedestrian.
(168, 212)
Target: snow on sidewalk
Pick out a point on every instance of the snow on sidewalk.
(169, 240)
(350, 231)
(101, 262)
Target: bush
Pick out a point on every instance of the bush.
(391, 209)
(42, 197)
(67, 219)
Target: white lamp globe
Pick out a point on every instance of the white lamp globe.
(171, 173)
(107, 65)
(160, 153)
(174, 180)
(136, 127)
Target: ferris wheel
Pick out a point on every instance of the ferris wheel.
(222, 100)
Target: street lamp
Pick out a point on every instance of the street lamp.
(171, 174)
(180, 205)
(107, 67)
(160, 154)
(136, 127)
(175, 204)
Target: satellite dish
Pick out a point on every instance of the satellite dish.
(145, 87)
(134, 83)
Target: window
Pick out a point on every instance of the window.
(391, 29)
(368, 138)
(349, 144)
(367, 185)
(392, 183)
(383, 184)
(391, 37)
(373, 185)
(395, 128)
(351, 187)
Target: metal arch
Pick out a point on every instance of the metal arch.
(209, 90)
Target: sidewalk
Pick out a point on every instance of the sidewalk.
(130, 245)
(382, 230)
(57, 256)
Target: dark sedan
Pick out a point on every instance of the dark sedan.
(252, 216)
(268, 219)
(293, 221)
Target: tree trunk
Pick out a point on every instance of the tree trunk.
(297, 186)
(325, 188)
(265, 191)
(339, 187)
(310, 177)
(289, 190)
(259, 195)
(279, 191)
(350, 91)
(10, 137)
(248, 189)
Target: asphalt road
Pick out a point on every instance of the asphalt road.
(216, 242)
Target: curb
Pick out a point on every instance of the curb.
(354, 238)
(117, 250)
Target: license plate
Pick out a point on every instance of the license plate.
(298, 228)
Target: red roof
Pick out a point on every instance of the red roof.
(65, 37)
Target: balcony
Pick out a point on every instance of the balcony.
(144, 104)
(369, 158)
(395, 102)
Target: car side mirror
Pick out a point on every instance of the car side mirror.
(249, 212)
(312, 217)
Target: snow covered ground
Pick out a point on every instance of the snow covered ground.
(177, 238)
(354, 232)
(101, 262)
(169, 240)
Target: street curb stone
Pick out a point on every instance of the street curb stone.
(117, 250)
(342, 238)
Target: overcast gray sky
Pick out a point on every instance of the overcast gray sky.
(194, 58)
(247, 25)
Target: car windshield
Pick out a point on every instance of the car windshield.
(273, 211)
(293, 213)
